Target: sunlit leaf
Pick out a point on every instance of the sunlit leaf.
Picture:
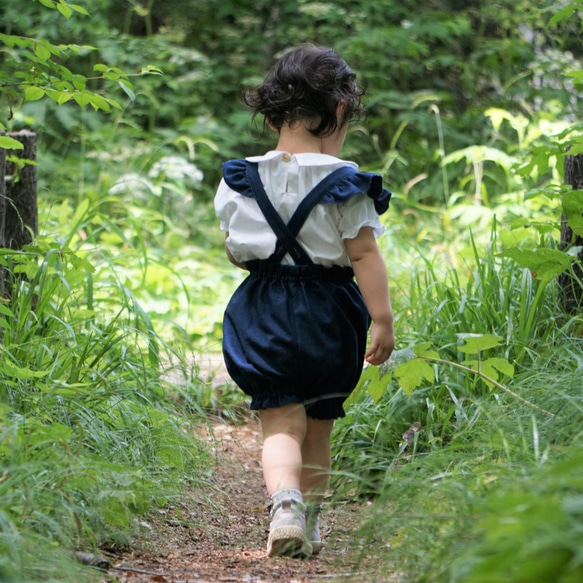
(62, 97)
(79, 82)
(64, 9)
(545, 264)
(474, 154)
(411, 374)
(475, 343)
(490, 368)
(22, 372)
(79, 9)
(82, 99)
(9, 143)
(98, 102)
(42, 52)
(573, 209)
(502, 365)
(32, 93)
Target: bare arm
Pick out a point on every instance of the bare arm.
(231, 258)
(371, 275)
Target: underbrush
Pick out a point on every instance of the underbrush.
(89, 440)
(468, 443)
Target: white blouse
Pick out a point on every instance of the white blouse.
(287, 179)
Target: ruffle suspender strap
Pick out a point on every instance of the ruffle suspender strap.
(286, 234)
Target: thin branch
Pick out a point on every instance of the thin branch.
(491, 380)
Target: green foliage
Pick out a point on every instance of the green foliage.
(34, 69)
(88, 439)
(472, 110)
(530, 530)
(500, 493)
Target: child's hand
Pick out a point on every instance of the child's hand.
(382, 342)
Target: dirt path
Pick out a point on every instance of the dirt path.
(229, 544)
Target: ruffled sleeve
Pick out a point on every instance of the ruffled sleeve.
(357, 212)
(359, 183)
(225, 204)
(235, 176)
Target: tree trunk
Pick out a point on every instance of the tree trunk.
(18, 200)
(571, 281)
(21, 212)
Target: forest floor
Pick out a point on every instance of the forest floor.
(227, 543)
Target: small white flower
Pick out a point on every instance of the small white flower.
(176, 168)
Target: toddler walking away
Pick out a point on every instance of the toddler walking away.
(303, 222)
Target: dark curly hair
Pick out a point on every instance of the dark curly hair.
(308, 82)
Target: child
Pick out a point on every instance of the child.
(303, 223)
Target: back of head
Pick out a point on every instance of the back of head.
(308, 83)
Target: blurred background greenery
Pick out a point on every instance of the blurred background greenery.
(472, 107)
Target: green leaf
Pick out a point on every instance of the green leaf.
(64, 9)
(502, 365)
(42, 52)
(412, 373)
(573, 209)
(100, 68)
(22, 373)
(545, 264)
(484, 368)
(562, 14)
(419, 348)
(576, 149)
(79, 82)
(151, 70)
(10, 143)
(128, 91)
(424, 349)
(119, 71)
(79, 9)
(578, 76)
(475, 343)
(81, 98)
(47, 3)
(490, 368)
(32, 93)
(377, 387)
(98, 102)
(6, 311)
(9, 41)
(63, 97)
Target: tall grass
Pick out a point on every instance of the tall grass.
(88, 438)
(469, 484)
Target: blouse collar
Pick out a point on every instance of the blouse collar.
(307, 159)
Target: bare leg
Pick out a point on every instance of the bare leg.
(316, 459)
(284, 430)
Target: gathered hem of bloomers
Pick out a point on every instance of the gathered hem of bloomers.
(312, 272)
(321, 409)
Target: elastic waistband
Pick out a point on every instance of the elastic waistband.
(313, 272)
